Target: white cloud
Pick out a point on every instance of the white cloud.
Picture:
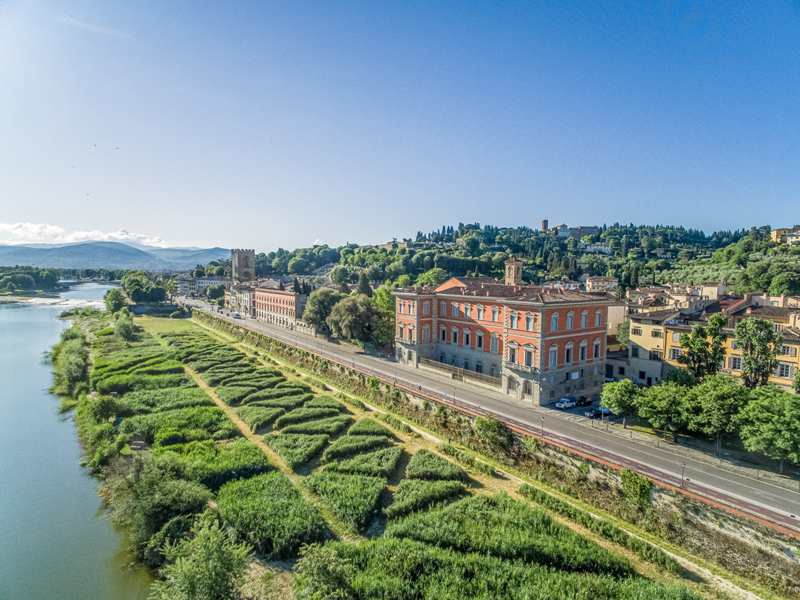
(318, 242)
(44, 233)
(95, 28)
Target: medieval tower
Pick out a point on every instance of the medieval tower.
(243, 264)
(513, 271)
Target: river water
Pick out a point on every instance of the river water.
(53, 543)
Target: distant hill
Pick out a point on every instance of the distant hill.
(108, 255)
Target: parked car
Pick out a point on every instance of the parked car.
(566, 403)
(593, 414)
(606, 412)
(584, 402)
(235, 315)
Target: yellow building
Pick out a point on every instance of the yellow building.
(779, 235)
(646, 347)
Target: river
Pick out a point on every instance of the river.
(53, 542)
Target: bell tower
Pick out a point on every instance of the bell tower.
(243, 264)
(513, 271)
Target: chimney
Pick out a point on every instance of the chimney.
(749, 311)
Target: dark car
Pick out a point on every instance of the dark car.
(584, 402)
(593, 414)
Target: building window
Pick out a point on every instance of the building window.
(784, 371)
(512, 355)
(734, 346)
(584, 319)
(636, 331)
(411, 307)
(443, 334)
(568, 355)
(478, 367)
(553, 356)
(622, 371)
(426, 308)
(583, 351)
(493, 370)
(466, 337)
(787, 350)
(513, 321)
(466, 364)
(495, 314)
(527, 388)
(453, 360)
(642, 375)
(480, 313)
(552, 394)
(657, 333)
(467, 311)
(777, 327)
(479, 339)
(635, 351)
(442, 358)
(454, 337)
(443, 309)
(674, 353)
(596, 349)
(495, 344)
(454, 310)
(598, 317)
(401, 331)
(528, 358)
(426, 334)
(676, 337)
(400, 307)
(656, 355)
(570, 320)
(529, 322)
(554, 322)
(735, 363)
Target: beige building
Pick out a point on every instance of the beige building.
(647, 345)
(602, 284)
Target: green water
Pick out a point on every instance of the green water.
(53, 545)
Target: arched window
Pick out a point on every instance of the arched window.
(583, 347)
(554, 322)
(570, 320)
(411, 307)
(584, 319)
(400, 307)
(467, 337)
(411, 333)
(568, 353)
(553, 356)
(527, 388)
(479, 339)
(480, 313)
(454, 309)
(598, 317)
(596, 348)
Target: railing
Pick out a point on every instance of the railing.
(403, 340)
(461, 374)
(518, 367)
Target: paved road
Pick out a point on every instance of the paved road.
(748, 494)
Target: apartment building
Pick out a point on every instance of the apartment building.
(539, 345)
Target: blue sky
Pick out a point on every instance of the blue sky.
(266, 124)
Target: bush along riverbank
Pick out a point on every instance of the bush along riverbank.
(751, 552)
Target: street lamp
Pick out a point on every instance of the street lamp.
(542, 426)
(683, 468)
(454, 395)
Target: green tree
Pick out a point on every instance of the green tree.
(340, 275)
(298, 265)
(171, 287)
(714, 405)
(682, 377)
(384, 298)
(771, 423)
(663, 406)
(434, 277)
(206, 566)
(215, 291)
(624, 334)
(123, 324)
(319, 306)
(358, 319)
(363, 285)
(620, 396)
(701, 356)
(114, 300)
(760, 345)
(796, 382)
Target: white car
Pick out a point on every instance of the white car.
(567, 403)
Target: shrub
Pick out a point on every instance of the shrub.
(295, 448)
(395, 422)
(604, 528)
(214, 465)
(467, 459)
(325, 402)
(318, 384)
(232, 395)
(274, 394)
(122, 384)
(256, 416)
(147, 401)
(429, 466)
(355, 402)
(181, 425)
(303, 415)
(297, 385)
(636, 487)
(402, 569)
(376, 464)
(369, 427)
(353, 444)
(354, 498)
(287, 404)
(268, 512)
(502, 527)
(104, 332)
(330, 426)
(416, 494)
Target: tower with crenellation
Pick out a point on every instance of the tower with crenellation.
(243, 264)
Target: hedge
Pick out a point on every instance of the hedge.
(353, 444)
(376, 464)
(232, 395)
(295, 448)
(429, 466)
(274, 394)
(354, 498)
(330, 426)
(369, 427)
(181, 426)
(268, 512)
(416, 494)
(303, 415)
(256, 416)
(147, 401)
(325, 402)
